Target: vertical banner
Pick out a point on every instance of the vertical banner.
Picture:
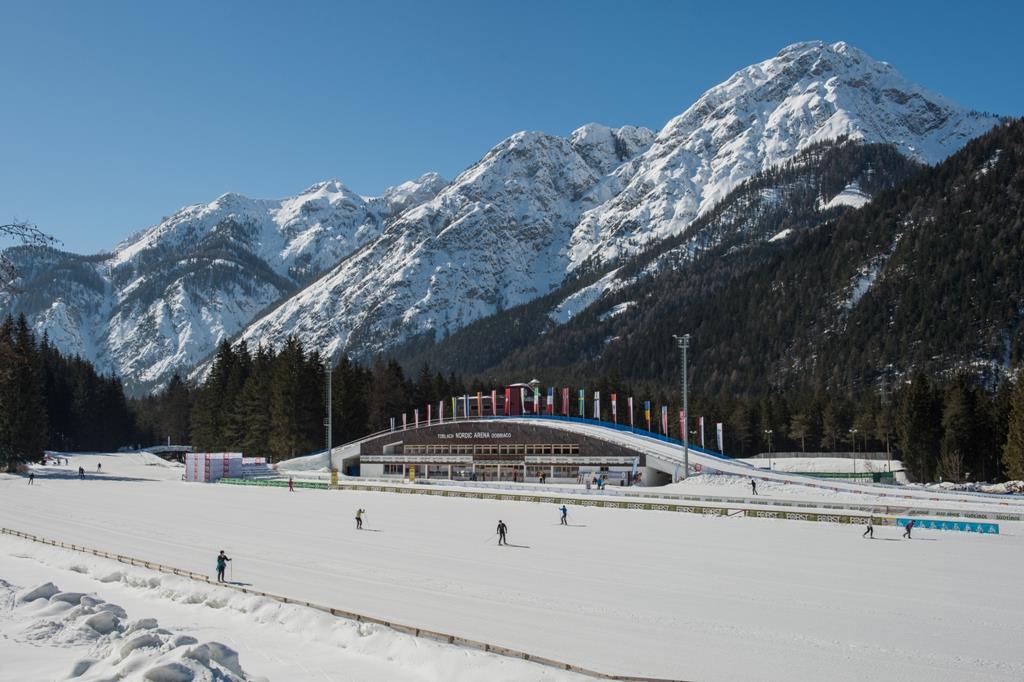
(465, 405)
(522, 401)
(701, 426)
(718, 429)
(615, 415)
(551, 401)
(565, 401)
(392, 423)
(536, 399)
(455, 409)
(416, 417)
(647, 413)
(629, 404)
(664, 420)
(597, 405)
(403, 421)
(508, 402)
(429, 415)
(682, 425)
(582, 400)
(494, 402)
(479, 404)
(440, 411)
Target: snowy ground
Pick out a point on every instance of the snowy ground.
(629, 592)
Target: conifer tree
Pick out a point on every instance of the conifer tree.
(1013, 448)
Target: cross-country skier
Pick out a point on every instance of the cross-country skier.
(99, 466)
(565, 513)
(222, 563)
(359, 518)
(869, 532)
(502, 530)
(909, 527)
(291, 485)
(31, 477)
(81, 472)
(753, 487)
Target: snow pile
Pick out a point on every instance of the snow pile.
(1005, 488)
(318, 462)
(115, 647)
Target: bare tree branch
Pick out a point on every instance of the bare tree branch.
(26, 234)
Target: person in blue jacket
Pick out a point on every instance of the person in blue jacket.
(565, 512)
(222, 563)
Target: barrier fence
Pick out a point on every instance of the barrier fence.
(433, 635)
(825, 517)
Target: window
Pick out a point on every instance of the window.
(392, 469)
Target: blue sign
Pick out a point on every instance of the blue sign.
(962, 526)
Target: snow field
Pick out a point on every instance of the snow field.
(629, 592)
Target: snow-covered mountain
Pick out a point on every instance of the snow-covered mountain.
(760, 117)
(356, 274)
(166, 296)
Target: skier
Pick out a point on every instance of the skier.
(909, 527)
(31, 477)
(222, 563)
(870, 531)
(81, 472)
(753, 487)
(502, 530)
(565, 513)
(99, 467)
(359, 518)
(291, 486)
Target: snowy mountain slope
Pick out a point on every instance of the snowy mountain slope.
(492, 239)
(164, 299)
(758, 118)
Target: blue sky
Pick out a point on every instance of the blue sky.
(117, 113)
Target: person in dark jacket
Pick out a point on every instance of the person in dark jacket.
(502, 530)
(31, 477)
(565, 512)
(753, 487)
(909, 527)
(869, 532)
(359, 518)
(222, 563)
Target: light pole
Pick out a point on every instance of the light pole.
(684, 344)
(329, 419)
(769, 432)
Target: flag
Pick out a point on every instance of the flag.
(403, 421)
(615, 417)
(664, 420)
(522, 401)
(565, 401)
(494, 402)
(551, 401)
(629, 403)
(582, 399)
(718, 429)
(455, 409)
(465, 405)
(682, 426)
(647, 413)
(429, 416)
(416, 417)
(536, 399)
(701, 423)
(392, 423)
(440, 411)
(597, 405)
(508, 402)
(479, 404)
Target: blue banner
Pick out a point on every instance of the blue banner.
(962, 526)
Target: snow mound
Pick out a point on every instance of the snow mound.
(115, 650)
(315, 462)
